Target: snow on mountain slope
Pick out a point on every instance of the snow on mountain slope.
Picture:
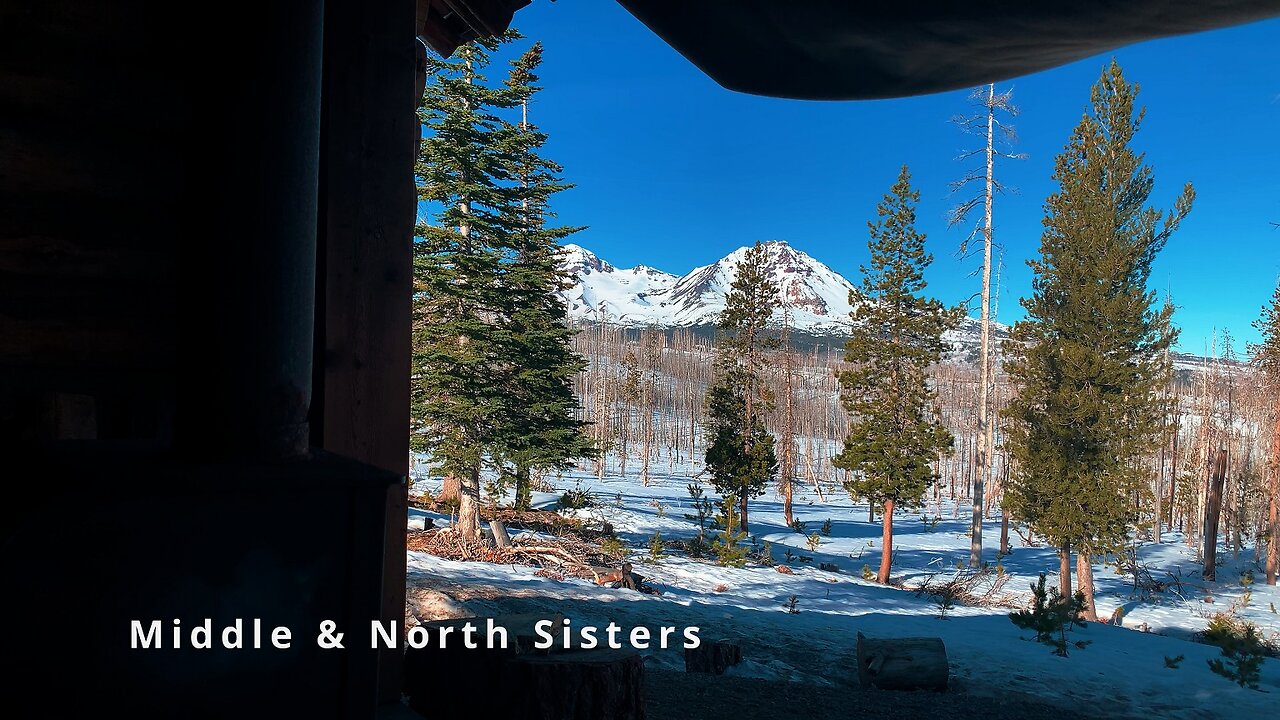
(604, 292)
(817, 296)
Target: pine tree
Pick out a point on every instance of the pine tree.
(459, 394)
(740, 451)
(727, 544)
(1090, 356)
(543, 431)
(895, 434)
(1266, 358)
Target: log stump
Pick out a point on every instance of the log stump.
(913, 663)
(575, 685)
(712, 657)
(454, 680)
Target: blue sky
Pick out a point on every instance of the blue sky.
(673, 171)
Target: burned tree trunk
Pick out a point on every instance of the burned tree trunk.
(918, 663)
(1212, 510)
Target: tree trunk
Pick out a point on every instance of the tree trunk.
(787, 460)
(1159, 514)
(1084, 573)
(1173, 469)
(449, 493)
(469, 504)
(1212, 510)
(524, 493)
(500, 537)
(786, 503)
(1004, 533)
(917, 663)
(984, 435)
(1064, 570)
(886, 544)
(1273, 558)
(742, 509)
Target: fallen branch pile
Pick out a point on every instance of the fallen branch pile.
(984, 588)
(566, 556)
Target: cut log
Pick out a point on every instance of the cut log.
(455, 680)
(913, 663)
(712, 657)
(575, 685)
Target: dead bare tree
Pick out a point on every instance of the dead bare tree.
(990, 103)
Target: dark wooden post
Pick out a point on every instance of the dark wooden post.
(367, 212)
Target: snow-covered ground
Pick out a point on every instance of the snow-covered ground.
(1122, 672)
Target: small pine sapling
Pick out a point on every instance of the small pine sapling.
(765, 556)
(798, 525)
(826, 528)
(1051, 616)
(945, 599)
(696, 547)
(703, 509)
(791, 605)
(656, 550)
(727, 544)
(814, 540)
(1172, 662)
(867, 573)
(613, 547)
(790, 556)
(1243, 650)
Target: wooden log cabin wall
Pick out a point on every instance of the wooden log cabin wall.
(206, 217)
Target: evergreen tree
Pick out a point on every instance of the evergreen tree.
(1090, 356)
(543, 431)
(740, 451)
(895, 434)
(460, 397)
(727, 544)
(1266, 358)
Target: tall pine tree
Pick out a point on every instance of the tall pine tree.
(458, 397)
(543, 431)
(1266, 358)
(740, 453)
(1090, 356)
(895, 434)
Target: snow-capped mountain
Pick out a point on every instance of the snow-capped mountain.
(604, 292)
(817, 296)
